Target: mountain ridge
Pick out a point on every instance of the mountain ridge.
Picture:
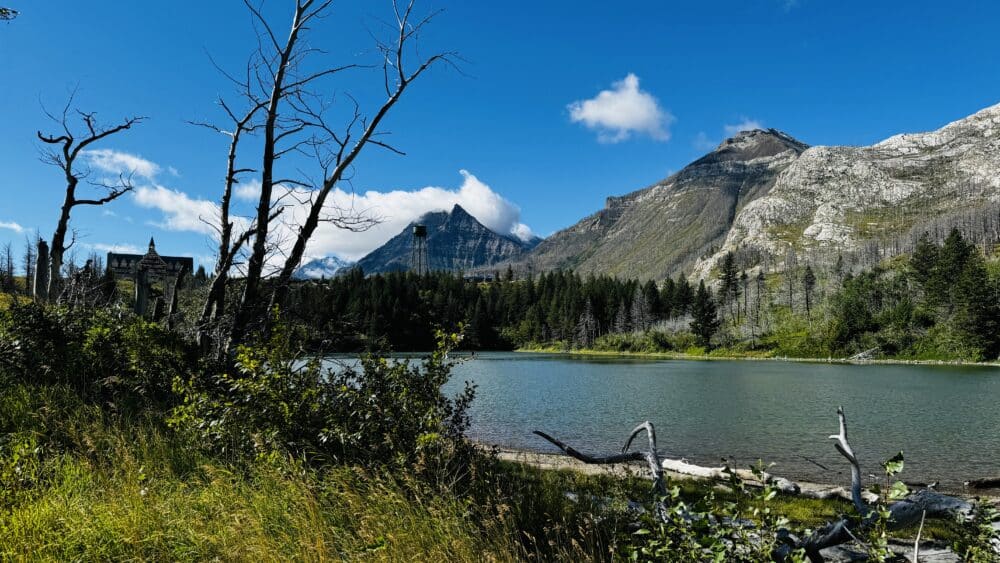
(765, 193)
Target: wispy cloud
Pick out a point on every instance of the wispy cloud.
(745, 124)
(622, 111)
(11, 226)
(119, 162)
(123, 248)
(703, 143)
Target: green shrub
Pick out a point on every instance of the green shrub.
(108, 356)
(386, 412)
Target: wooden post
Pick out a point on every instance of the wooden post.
(174, 293)
(40, 285)
(141, 291)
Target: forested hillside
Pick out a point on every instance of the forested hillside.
(938, 303)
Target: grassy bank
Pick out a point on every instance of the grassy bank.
(729, 354)
(118, 442)
(130, 489)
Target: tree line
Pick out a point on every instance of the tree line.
(402, 309)
(940, 302)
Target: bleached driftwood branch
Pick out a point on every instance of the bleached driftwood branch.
(925, 503)
(651, 456)
(903, 513)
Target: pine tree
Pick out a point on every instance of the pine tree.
(586, 327)
(667, 299)
(745, 285)
(924, 259)
(704, 316)
(791, 264)
(640, 310)
(621, 318)
(683, 296)
(808, 284)
(977, 313)
(653, 299)
(729, 278)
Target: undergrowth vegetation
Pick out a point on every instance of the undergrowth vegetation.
(117, 442)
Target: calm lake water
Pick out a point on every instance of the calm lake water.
(945, 419)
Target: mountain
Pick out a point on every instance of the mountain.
(321, 268)
(656, 231)
(762, 193)
(455, 241)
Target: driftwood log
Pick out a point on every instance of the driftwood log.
(911, 510)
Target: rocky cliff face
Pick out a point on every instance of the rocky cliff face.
(840, 197)
(455, 241)
(659, 230)
(765, 192)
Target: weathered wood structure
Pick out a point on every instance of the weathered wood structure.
(148, 269)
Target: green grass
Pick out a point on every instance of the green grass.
(83, 485)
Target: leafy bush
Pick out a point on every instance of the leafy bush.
(386, 412)
(108, 356)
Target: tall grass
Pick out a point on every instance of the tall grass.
(130, 490)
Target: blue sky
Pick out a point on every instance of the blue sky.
(678, 77)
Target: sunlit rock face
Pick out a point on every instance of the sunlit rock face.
(765, 191)
(669, 226)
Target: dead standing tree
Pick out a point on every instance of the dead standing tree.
(65, 149)
(292, 119)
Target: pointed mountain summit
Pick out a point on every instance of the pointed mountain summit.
(654, 232)
(455, 241)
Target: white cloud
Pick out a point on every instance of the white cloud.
(122, 248)
(12, 226)
(248, 191)
(118, 162)
(746, 124)
(703, 143)
(180, 211)
(396, 209)
(625, 109)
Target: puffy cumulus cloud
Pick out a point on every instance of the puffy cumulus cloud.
(118, 162)
(745, 124)
(247, 191)
(394, 209)
(180, 211)
(10, 225)
(623, 110)
(398, 208)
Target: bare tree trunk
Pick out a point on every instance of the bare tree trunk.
(66, 149)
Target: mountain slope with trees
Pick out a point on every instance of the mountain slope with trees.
(762, 195)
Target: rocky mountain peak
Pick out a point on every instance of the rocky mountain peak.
(456, 241)
(756, 143)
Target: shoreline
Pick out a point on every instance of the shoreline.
(709, 358)
(563, 462)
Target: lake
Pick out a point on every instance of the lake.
(944, 418)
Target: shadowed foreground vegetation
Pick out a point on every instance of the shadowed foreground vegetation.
(118, 442)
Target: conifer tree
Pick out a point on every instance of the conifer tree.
(808, 284)
(704, 316)
(640, 310)
(683, 296)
